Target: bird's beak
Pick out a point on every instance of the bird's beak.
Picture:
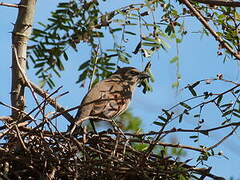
(143, 75)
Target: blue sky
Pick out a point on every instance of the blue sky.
(198, 60)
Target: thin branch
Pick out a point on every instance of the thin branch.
(153, 144)
(94, 68)
(25, 78)
(52, 102)
(12, 5)
(203, 103)
(80, 121)
(169, 145)
(208, 27)
(16, 109)
(44, 101)
(173, 130)
(220, 3)
(205, 172)
(6, 119)
(20, 138)
(223, 139)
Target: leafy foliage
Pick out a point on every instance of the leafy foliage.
(75, 23)
(128, 122)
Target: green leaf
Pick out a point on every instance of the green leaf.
(56, 72)
(227, 113)
(175, 84)
(237, 91)
(162, 118)
(159, 123)
(129, 32)
(65, 55)
(193, 137)
(84, 65)
(140, 147)
(112, 50)
(165, 45)
(228, 105)
(196, 115)
(151, 44)
(123, 59)
(193, 92)
(43, 25)
(206, 95)
(83, 76)
(50, 83)
(195, 84)
(138, 47)
(204, 133)
(174, 59)
(198, 127)
(185, 105)
(146, 53)
(236, 110)
(236, 115)
(151, 40)
(178, 40)
(116, 29)
(169, 116)
(219, 99)
(42, 83)
(37, 65)
(180, 118)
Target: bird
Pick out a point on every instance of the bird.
(110, 97)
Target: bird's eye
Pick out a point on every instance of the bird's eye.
(134, 73)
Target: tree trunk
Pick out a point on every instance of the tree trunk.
(20, 36)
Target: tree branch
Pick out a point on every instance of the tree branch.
(11, 5)
(208, 27)
(25, 78)
(20, 36)
(219, 3)
(6, 118)
(223, 139)
(52, 102)
(169, 145)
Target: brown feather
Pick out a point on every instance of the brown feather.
(110, 97)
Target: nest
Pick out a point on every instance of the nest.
(39, 154)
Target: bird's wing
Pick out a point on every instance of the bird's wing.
(107, 99)
(112, 101)
(91, 98)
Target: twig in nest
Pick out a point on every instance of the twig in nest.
(52, 102)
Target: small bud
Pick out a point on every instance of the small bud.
(219, 53)
(219, 76)
(220, 153)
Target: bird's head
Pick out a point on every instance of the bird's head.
(130, 74)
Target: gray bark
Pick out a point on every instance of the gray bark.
(20, 36)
